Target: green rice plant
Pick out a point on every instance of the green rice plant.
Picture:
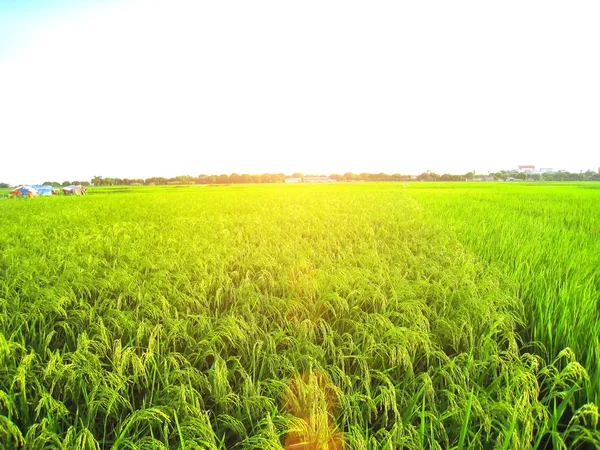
(546, 239)
(165, 318)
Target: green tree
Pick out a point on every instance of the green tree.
(235, 178)
(222, 179)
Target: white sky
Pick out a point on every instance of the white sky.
(165, 88)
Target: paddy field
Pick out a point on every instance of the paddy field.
(355, 316)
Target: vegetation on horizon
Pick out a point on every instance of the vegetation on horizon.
(245, 178)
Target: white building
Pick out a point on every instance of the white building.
(317, 180)
(526, 169)
(531, 170)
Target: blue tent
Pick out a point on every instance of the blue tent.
(45, 190)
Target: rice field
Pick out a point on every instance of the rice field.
(547, 238)
(305, 317)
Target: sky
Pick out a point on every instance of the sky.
(135, 89)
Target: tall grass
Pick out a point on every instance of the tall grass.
(546, 238)
(251, 317)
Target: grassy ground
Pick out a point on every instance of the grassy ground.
(260, 317)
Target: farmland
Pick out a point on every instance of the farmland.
(365, 316)
(547, 238)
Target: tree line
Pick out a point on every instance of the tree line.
(234, 178)
(562, 175)
(66, 183)
(244, 178)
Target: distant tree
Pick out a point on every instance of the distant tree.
(449, 177)
(184, 179)
(155, 181)
(66, 183)
(235, 178)
(297, 175)
(4, 185)
(222, 179)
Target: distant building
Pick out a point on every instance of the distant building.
(530, 170)
(317, 180)
(526, 169)
(293, 180)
